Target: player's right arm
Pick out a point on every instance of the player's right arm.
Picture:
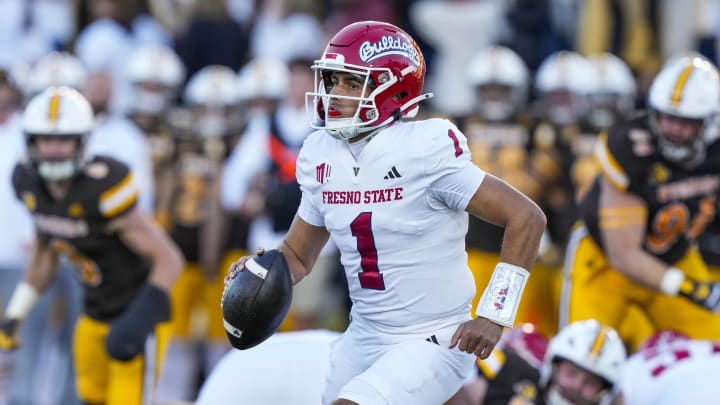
(301, 247)
(622, 227)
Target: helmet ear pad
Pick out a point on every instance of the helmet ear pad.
(257, 300)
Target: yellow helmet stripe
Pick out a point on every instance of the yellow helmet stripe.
(680, 84)
(54, 107)
(599, 342)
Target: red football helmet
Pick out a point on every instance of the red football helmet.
(527, 342)
(389, 63)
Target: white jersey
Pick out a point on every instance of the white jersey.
(679, 372)
(289, 368)
(396, 213)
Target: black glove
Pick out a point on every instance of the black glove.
(703, 293)
(8, 334)
(129, 331)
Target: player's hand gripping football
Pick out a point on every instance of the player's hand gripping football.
(477, 336)
(8, 334)
(239, 266)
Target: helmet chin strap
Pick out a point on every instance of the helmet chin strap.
(412, 113)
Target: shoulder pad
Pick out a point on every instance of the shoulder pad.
(622, 152)
(118, 192)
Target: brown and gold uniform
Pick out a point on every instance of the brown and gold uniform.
(511, 379)
(189, 208)
(680, 203)
(507, 150)
(111, 274)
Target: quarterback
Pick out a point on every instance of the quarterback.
(405, 190)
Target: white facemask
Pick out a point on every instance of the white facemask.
(57, 171)
(149, 102)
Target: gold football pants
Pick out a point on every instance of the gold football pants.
(102, 380)
(593, 289)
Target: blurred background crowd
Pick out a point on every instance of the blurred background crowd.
(205, 101)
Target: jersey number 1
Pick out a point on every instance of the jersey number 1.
(370, 276)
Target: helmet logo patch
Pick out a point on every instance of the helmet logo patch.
(388, 45)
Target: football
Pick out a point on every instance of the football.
(257, 300)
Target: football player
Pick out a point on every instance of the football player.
(155, 73)
(657, 192)
(85, 208)
(671, 368)
(579, 366)
(55, 69)
(499, 140)
(562, 83)
(611, 100)
(394, 194)
(189, 207)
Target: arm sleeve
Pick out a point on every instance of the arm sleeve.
(120, 191)
(455, 179)
(456, 189)
(619, 158)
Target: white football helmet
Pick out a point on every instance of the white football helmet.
(156, 72)
(56, 69)
(498, 66)
(212, 93)
(57, 111)
(263, 78)
(212, 85)
(563, 81)
(688, 87)
(613, 97)
(589, 345)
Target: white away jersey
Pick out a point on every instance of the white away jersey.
(679, 372)
(397, 216)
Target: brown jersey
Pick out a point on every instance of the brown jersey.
(196, 175)
(511, 379)
(77, 227)
(680, 201)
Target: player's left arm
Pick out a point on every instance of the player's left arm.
(495, 201)
(151, 305)
(144, 237)
(499, 203)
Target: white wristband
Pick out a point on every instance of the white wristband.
(671, 280)
(23, 299)
(501, 298)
